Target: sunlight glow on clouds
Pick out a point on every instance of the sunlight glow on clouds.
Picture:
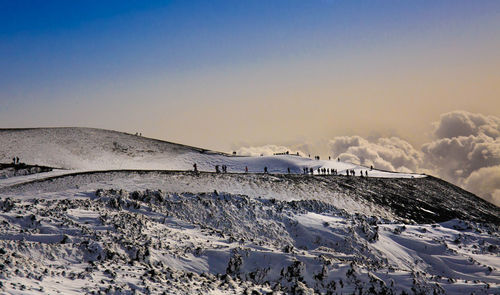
(385, 153)
(465, 150)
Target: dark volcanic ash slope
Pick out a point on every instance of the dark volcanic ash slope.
(423, 200)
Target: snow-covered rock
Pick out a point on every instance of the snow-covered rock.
(151, 241)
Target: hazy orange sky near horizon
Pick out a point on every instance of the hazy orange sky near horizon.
(245, 75)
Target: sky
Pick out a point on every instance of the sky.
(227, 75)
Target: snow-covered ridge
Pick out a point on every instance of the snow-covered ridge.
(415, 200)
(97, 149)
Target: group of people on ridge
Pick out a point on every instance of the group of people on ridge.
(305, 170)
(218, 168)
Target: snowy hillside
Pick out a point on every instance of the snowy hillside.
(97, 149)
(109, 224)
(87, 148)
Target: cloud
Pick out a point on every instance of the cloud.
(462, 123)
(388, 153)
(457, 157)
(485, 182)
(466, 151)
(464, 146)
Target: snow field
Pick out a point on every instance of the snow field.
(151, 241)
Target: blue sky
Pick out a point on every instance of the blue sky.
(98, 63)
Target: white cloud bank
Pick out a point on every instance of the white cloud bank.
(465, 150)
(385, 153)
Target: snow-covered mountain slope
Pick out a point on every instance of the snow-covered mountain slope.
(96, 228)
(152, 242)
(97, 149)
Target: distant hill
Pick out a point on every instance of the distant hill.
(88, 148)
